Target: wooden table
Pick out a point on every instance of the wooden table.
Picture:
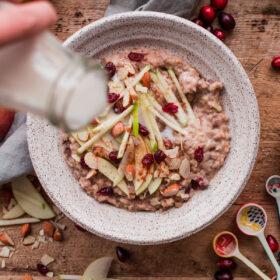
(254, 41)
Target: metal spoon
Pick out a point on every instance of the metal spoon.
(251, 220)
(225, 245)
(274, 190)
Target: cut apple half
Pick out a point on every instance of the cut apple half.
(98, 270)
(154, 185)
(14, 213)
(30, 200)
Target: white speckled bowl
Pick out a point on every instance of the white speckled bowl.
(213, 60)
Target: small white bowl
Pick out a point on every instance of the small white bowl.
(214, 61)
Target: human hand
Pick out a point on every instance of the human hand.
(23, 20)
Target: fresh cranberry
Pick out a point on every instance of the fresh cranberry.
(138, 57)
(226, 264)
(143, 130)
(209, 28)
(148, 159)
(273, 243)
(199, 154)
(208, 14)
(122, 254)
(275, 63)
(198, 183)
(83, 163)
(111, 69)
(218, 4)
(107, 191)
(219, 34)
(223, 275)
(118, 106)
(79, 228)
(113, 156)
(198, 21)
(167, 143)
(42, 269)
(226, 21)
(159, 156)
(170, 108)
(112, 97)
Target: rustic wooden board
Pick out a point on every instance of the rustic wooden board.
(254, 41)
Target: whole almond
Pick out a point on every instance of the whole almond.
(25, 230)
(6, 239)
(48, 228)
(57, 236)
(27, 277)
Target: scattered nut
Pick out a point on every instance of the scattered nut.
(175, 177)
(91, 160)
(6, 239)
(163, 170)
(129, 172)
(25, 230)
(91, 174)
(129, 67)
(29, 240)
(57, 236)
(122, 73)
(76, 157)
(173, 163)
(172, 153)
(185, 168)
(48, 228)
(27, 277)
(83, 135)
(171, 191)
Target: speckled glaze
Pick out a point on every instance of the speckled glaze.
(214, 61)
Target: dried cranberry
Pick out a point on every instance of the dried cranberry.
(275, 63)
(209, 28)
(198, 183)
(198, 21)
(186, 190)
(111, 69)
(148, 159)
(170, 108)
(107, 191)
(223, 275)
(167, 143)
(218, 4)
(135, 56)
(273, 243)
(159, 156)
(219, 34)
(67, 151)
(112, 97)
(199, 154)
(118, 106)
(122, 254)
(83, 163)
(113, 156)
(226, 21)
(208, 14)
(79, 228)
(42, 269)
(226, 264)
(143, 130)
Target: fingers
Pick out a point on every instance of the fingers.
(25, 20)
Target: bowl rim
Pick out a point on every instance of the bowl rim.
(138, 14)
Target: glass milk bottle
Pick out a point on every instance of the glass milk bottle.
(39, 75)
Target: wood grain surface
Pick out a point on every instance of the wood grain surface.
(254, 41)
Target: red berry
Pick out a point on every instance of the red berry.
(223, 275)
(219, 34)
(226, 264)
(122, 254)
(83, 163)
(209, 28)
(275, 63)
(113, 156)
(143, 130)
(148, 159)
(226, 21)
(186, 190)
(218, 4)
(198, 21)
(198, 183)
(159, 156)
(111, 69)
(138, 57)
(170, 108)
(199, 154)
(272, 242)
(107, 191)
(208, 14)
(79, 228)
(167, 143)
(42, 269)
(118, 106)
(112, 97)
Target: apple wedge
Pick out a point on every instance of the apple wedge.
(98, 270)
(20, 221)
(30, 200)
(140, 170)
(154, 185)
(111, 172)
(14, 213)
(147, 182)
(136, 119)
(139, 76)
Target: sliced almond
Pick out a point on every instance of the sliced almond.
(83, 135)
(156, 173)
(154, 201)
(185, 168)
(46, 260)
(35, 245)
(129, 172)
(48, 228)
(126, 99)
(171, 191)
(163, 170)
(6, 239)
(122, 73)
(216, 106)
(91, 174)
(91, 160)
(29, 240)
(129, 67)
(76, 157)
(173, 163)
(175, 176)
(172, 153)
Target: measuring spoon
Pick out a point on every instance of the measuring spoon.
(225, 245)
(273, 188)
(251, 220)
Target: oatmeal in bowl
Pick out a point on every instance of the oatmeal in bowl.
(162, 138)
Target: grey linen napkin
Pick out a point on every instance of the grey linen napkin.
(14, 156)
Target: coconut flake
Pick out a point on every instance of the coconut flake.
(46, 260)
(50, 274)
(41, 232)
(5, 252)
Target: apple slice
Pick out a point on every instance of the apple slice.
(154, 185)
(125, 138)
(147, 182)
(30, 200)
(135, 119)
(111, 172)
(14, 213)
(20, 221)
(98, 270)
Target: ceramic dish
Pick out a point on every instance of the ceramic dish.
(214, 61)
